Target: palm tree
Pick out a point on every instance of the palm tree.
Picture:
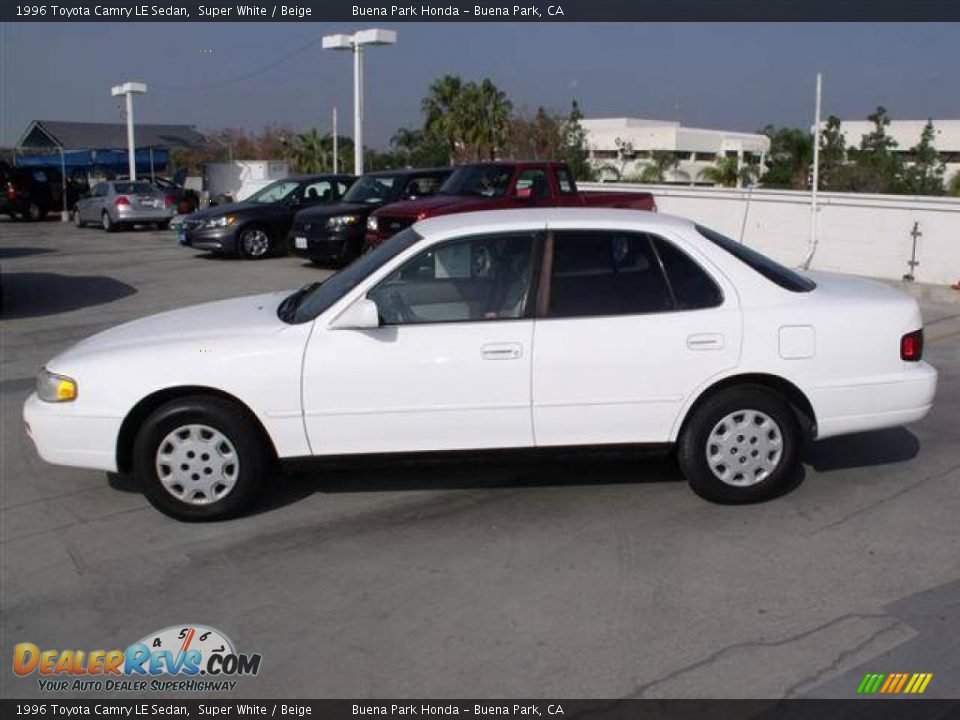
(311, 151)
(493, 113)
(728, 172)
(442, 108)
(660, 162)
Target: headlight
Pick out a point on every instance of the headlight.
(372, 223)
(340, 221)
(222, 221)
(55, 388)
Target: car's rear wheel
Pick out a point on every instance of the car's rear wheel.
(108, 224)
(199, 458)
(741, 445)
(254, 243)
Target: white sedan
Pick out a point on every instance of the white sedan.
(509, 329)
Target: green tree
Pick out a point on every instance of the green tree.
(575, 151)
(953, 187)
(310, 153)
(443, 111)
(728, 171)
(925, 174)
(661, 162)
(833, 153)
(790, 158)
(418, 148)
(875, 167)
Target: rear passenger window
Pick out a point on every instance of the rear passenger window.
(692, 287)
(605, 273)
(564, 182)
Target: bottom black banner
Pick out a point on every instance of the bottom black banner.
(853, 709)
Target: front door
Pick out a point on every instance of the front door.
(449, 366)
(629, 328)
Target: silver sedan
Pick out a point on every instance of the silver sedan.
(123, 203)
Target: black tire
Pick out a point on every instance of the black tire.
(163, 225)
(222, 417)
(249, 243)
(35, 212)
(77, 222)
(698, 450)
(108, 224)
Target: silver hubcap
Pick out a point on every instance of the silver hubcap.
(744, 448)
(255, 242)
(197, 464)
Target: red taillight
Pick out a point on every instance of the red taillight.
(911, 346)
(421, 215)
(11, 192)
(169, 200)
(122, 200)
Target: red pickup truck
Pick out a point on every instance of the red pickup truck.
(498, 186)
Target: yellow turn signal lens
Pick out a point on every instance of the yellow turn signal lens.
(66, 389)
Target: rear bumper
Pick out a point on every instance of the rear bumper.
(884, 402)
(63, 437)
(127, 214)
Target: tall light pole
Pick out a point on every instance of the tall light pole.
(355, 43)
(130, 89)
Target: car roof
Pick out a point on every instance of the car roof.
(496, 219)
(410, 171)
(317, 176)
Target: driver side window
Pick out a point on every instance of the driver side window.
(479, 278)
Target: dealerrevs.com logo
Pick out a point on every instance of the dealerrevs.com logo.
(181, 658)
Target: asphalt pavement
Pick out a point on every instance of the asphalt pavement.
(599, 576)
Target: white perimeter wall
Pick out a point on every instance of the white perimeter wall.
(857, 234)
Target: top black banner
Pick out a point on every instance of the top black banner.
(365, 11)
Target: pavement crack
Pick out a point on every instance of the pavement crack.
(877, 503)
(639, 691)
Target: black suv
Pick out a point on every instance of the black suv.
(334, 234)
(32, 192)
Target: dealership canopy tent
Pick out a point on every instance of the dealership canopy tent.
(101, 147)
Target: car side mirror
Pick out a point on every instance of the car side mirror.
(362, 315)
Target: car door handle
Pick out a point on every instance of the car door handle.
(502, 351)
(705, 341)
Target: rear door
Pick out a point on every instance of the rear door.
(628, 326)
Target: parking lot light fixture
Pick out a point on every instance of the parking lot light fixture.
(355, 43)
(129, 89)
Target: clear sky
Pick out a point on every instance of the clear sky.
(729, 76)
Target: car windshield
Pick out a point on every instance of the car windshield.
(372, 189)
(128, 188)
(308, 302)
(770, 269)
(489, 181)
(274, 192)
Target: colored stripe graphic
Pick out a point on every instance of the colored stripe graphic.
(894, 683)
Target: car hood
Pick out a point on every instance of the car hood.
(218, 210)
(315, 214)
(252, 316)
(434, 205)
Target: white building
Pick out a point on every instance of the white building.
(620, 148)
(907, 134)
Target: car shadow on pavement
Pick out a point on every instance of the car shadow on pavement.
(36, 294)
(9, 253)
(469, 471)
(877, 447)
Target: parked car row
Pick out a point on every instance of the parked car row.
(30, 193)
(333, 219)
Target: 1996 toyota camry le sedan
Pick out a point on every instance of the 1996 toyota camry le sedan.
(506, 329)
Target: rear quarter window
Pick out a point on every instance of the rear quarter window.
(770, 269)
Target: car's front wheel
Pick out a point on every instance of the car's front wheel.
(35, 212)
(199, 458)
(77, 220)
(254, 243)
(741, 445)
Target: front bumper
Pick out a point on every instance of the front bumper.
(328, 245)
(217, 239)
(63, 436)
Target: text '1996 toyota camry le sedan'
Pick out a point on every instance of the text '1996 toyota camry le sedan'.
(508, 329)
